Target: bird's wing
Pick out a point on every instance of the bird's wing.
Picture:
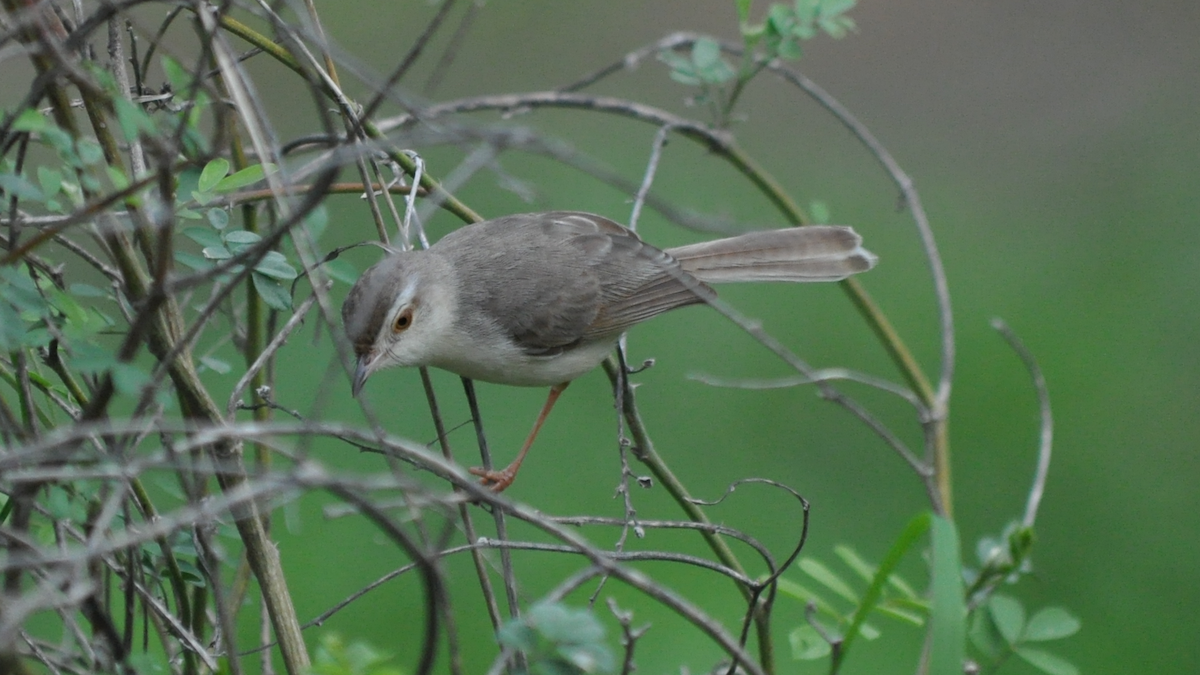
(604, 278)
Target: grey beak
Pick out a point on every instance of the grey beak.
(361, 373)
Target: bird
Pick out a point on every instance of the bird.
(539, 299)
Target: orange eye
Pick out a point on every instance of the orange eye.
(403, 321)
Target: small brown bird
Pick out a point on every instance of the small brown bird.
(539, 299)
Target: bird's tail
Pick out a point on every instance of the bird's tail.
(811, 253)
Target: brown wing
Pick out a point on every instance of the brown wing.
(553, 280)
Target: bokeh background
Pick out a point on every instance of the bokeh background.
(1056, 148)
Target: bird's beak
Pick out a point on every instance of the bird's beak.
(361, 372)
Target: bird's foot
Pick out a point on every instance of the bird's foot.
(496, 481)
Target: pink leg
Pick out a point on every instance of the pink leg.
(499, 480)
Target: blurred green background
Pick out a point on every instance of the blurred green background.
(1057, 151)
(1056, 148)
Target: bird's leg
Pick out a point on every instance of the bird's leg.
(499, 480)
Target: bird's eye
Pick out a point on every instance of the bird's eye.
(403, 321)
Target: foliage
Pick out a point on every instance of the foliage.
(160, 246)
(559, 640)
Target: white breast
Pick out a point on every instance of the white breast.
(514, 367)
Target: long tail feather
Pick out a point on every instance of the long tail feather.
(812, 253)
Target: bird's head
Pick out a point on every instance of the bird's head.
(398, 313)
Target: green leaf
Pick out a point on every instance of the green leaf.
(213, 173)
(1047, 662)
(947, 609)
(193, 261)
(241, 237)
(218, 218)
(272, 292)
(682, 70)
(1051, 623)
(30, 120)
(1009, 616)
(708, 63)
(807, 644)
(247, 176)
(90, 358)
(133, 119)
(117, 177)
(179, 78)
(203, 236)
(341, 270)
(806, 595)
(16, 185)
(51, 181)
(90, 151)
(12, 328)
(316, 221)
(828, 578)
(985, 636)
(216, 253)
(517, 635)
(912, 533)
(855, 562)
(216, 365)
(560, 623)
(275, 265)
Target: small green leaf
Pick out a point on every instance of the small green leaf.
(117, 177)
(705, 53)
(90, 358)
(12, 328)
(51, 181)
(218, 218)
(133, 119)
(807, 644)
(90, 151)
(316, 221)
(275, 265)
(682, 70)
(241, 237)
(179, 78)
(216, 365)
(984, 636)
(213, 173)
(216, 253)
(203, 236)
(16, 185)
(1009, 616)
(855, 562)
(828, 578)
(806, 595)
(193, 261)
(913, 531)
(30, 120)
(517, 635)
(1047, 662)
(341, 270)
(560, 623)
(247, 176)
(1051, 623)
(191, 574)
(272, 292)
(708, 63)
